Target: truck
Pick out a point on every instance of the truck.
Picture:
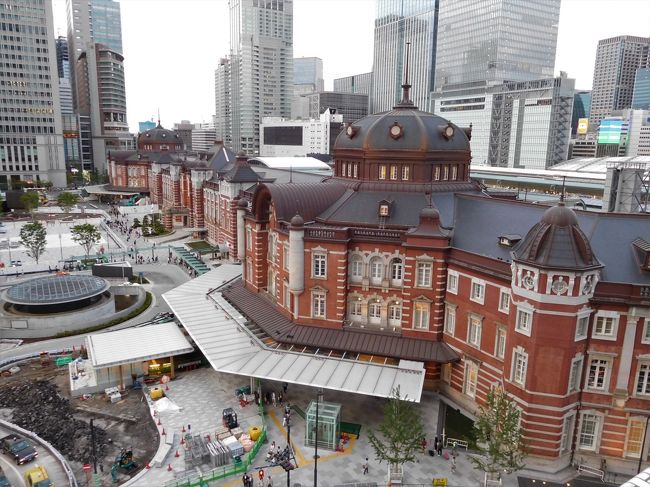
(38, 477)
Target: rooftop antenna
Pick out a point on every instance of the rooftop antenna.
(158, 116)
(563, 189)
(291, 173)
(406, 87)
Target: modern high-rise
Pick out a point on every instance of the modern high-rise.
(97, 66)
(203, 136)
(222, 99)
(357, 83)
(184, 130)
(308, 71)
(641, 96)
(617, 60)
(398, 22)
(581, 107)
(261, 57)
(486, 42)
(63, 69)
(351, 106)
(31, 133)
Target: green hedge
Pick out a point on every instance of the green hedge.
(147, 302)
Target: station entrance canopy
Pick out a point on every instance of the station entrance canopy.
(220, 332)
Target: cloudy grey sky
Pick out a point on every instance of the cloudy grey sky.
(172, 47)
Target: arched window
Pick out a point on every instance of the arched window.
(271, 284)
(376, 270)
(354, 310)
(395, 314)
(396, 272)
(272, 250)
(374, 312)
(356, 268)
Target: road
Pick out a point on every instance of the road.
(163, 277)
(15, 473)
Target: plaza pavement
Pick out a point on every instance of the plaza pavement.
(203, 393)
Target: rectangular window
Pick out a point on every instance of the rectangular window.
(421, 316)
(445, 173)
(393, 173)
(285, 257)
(452, 281)
(382, 171)
(454, 172)
(356, 171)
(355, 310)
(287, 295)
(471, 378)
(319, 265)
(356, 269)
(249, 271)
(349, 170)
(567, 433)
(249, 238)
(424, 274)
(574, 374)
(634, 441)
(436, 174)
(598, 374)
(405, 173)
(318, 305)
(500, 345)
(450, 319)
(478, 291)
(604, 327)
(446, 373)
(524, 321)
(643, 379)
(588, 431)
(645, 338)
(582, 326)
(519, 366)
(504, 301)
(474, 331)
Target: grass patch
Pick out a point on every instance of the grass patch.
(147, 302)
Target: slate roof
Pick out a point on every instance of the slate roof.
(479, 222)
(283, 330)
(309, 200)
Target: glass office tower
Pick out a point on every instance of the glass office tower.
(396, 23)
(495, 41)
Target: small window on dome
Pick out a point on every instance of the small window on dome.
(454, 172)
(384, 210)
(393, 173)
(349, 169)
(356, 171)
(445, 173)
(382, 171)
(436, 175)
(405, 173)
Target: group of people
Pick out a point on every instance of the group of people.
(247, 480)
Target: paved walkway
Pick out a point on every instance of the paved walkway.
(203, 393)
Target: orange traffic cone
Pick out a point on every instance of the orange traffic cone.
(169, 468)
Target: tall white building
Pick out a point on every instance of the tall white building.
(31, 133)
(396, 23)
(261, 56)
(294, 138)
(204, 136)
(222, 99)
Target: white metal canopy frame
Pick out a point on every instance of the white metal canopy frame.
(220, 331)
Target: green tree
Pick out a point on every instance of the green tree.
(34, 236)
(499, 435)
(86, 235)
(30, 201)
(158, 228)
(46, 184)
(136, 223)
(66, 201)
(401, 432)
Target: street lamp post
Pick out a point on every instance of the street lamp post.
(9, 247)
(289, 445)
(60, 245)
(318, 399)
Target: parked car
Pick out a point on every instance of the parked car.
(3, 479)
(16, 263)
(18, 448)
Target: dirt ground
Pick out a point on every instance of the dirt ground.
(129, 425)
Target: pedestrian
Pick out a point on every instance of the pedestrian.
(273, 399)
(439, 449)
(453, 464)
(280, 397)
(423, 444)
(454, 450)
(244, 480)
(436, 444)
(365, 467)
(269, 481)
(285, 386)
(285, 419)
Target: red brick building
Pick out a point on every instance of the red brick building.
(400, 256)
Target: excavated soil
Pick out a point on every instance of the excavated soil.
(38, 399)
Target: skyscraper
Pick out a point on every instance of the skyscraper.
(617, 60)
(31, 140)
(357, 83)
(222, 99)
(641, 97)
(396, 23)
(495, 41)
(261, 54)
(581, 107)
(97, 66)
(63, 69)
(308, 71)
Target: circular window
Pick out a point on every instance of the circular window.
(528, 281)
(559, 286)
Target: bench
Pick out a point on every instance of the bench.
(592, 471)
(449, 442)
(351, 429)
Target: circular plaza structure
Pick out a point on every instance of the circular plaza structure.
(56, 294)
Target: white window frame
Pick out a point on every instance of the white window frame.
(423, 274)
(452, 281)
(421, 317)
(249, 238)
(376, 263)
(319, 311)
(599, 362)
(395, 313)
(642, 378)
(393, 172)
(477, 284)
(641, 424)
(355, 304)
(519, 367)
(382, 172)
(396, 268)
(450, 319)
(605, 315)
(525, 327)
(582, 319)
(249, 270)
(319, 271)
(568, 425)
(353, 262)
(645, 337)
(575, 374)
(500, 342)
(593, 446)
(405, 172)
(469, 387)
(474, 330)
(285, 257)
(374, 311)
(287, 295)
(504, 300)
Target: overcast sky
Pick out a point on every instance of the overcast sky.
(172, 47)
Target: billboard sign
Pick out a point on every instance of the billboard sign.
(610, 131)
(583, 125)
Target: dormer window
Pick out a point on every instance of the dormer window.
(382, 171)
(509, 240)
(642, 250)
(384, 210)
